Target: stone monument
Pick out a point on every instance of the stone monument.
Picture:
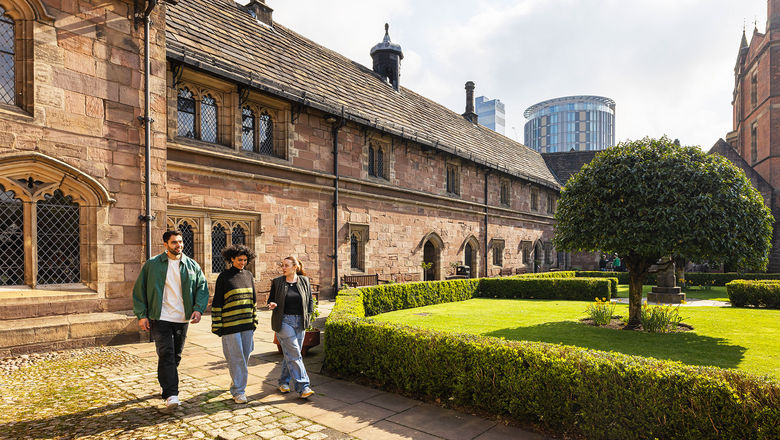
(666, 290)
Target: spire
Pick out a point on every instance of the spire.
(743, 44)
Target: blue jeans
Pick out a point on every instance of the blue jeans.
(290, 338)
(237, 347)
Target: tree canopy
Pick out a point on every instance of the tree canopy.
(651, 198)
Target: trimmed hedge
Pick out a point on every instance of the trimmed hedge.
(567, 389)
(721, 279)
(756, 293)
(560, 274)
(622, 277)
(388, 297)
(583, 289)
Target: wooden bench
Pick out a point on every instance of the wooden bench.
(361, 280)
(520, 270)
(506, 271)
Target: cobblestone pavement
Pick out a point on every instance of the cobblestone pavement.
(112, 393)
(104, 393)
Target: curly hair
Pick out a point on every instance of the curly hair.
(237, 250)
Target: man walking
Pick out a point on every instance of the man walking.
(170, 292)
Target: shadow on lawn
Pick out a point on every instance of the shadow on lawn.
(686, 347)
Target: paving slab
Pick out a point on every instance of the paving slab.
(345, 391)
(384, 430)
(503, 432)
(393, 402)
(443, 422)
(352, 417)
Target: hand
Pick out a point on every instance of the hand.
(144, 324)
(271, 305)
(195, 318)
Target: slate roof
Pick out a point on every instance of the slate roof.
(222, 38)
(564, 164)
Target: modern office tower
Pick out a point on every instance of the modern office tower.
(571, 123)
(491, 113)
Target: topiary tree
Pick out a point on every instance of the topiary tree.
(650, 198)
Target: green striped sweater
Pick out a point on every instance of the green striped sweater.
(233, 307)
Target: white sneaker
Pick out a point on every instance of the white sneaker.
(284, 389)
(241, 398)
(307, 392)
(172, 402)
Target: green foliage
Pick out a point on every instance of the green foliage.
(388, 297)
(566, 389)
(649, 198)
(561, 274)
(601, 311)
(720, 279)
(761, 293)
(546, 288)
(660, 319)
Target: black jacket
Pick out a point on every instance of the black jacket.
(279, 293)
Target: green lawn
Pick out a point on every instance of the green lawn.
(746, 339)
(717, 293)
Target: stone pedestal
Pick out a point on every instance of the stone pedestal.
(666, 295)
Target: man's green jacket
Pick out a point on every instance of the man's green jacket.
(150, 285)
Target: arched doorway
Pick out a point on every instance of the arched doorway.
(538, 256)
(430, 258)
(468, 258)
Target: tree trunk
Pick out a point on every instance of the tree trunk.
(634, 299)
(637, 273)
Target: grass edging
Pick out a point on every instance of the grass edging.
(565, 389)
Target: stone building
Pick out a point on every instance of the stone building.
(754, 142)
(258, 136)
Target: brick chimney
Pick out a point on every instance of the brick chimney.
(470, 115)
(773, 15)
(262, 12)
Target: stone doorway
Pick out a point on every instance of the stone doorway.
(431, 258)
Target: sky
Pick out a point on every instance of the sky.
(668, 64)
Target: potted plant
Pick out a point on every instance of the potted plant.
(312, 336)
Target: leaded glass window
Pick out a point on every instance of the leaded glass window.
(188, 238)
(380, 163)
(453, 180)
(186, 113)
(7, 60)
(247, 129)
(498, 253)
(238, 236)
(353, 252)
(371, 171)
(59, 256)
(266, 135)
(505, 193)
(208, 119)
(11, 239)
(218, 242)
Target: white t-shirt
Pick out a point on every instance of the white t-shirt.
(173, 303)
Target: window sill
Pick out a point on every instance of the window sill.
(16, 113)
(60, 291)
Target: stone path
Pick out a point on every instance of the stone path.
(112, 393)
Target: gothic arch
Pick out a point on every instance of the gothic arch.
(49, 174)
(432, 246)
(26, 10)
(473, 243)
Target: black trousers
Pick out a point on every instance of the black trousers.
(169, 340)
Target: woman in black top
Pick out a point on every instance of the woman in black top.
(233, 316)
(292, 306)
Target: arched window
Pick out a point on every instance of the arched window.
(11, 239)
(371, 171)
(186, 113)
(218, 242)
(239, 235)
(266, 134)
(59, 256)
(7, 60)
(380, 163)
(188, 238)
(208, 119)
(247, 129)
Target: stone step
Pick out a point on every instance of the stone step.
(70, 331)
(32, 303)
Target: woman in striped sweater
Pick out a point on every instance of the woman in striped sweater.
(233, 316)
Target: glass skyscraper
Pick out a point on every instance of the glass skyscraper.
(571, 123)
(491, 113)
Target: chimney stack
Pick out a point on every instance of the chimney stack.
(262, 12)
(470, 115)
